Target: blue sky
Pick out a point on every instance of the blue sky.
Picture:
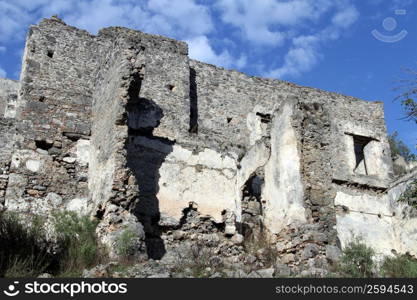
(352, 47)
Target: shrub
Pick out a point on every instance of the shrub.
(77, 238)
(23, 247)
(401, 266)
(357, 260)
(410, 195)
(26, 252)
(126, 244)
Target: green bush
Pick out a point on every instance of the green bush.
(410, 195)
(77, 238)
(26, 252)
(23, 247)
(357, 260)
(401, 266)
(126, 244)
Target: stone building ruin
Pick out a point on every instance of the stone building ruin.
(124, 126)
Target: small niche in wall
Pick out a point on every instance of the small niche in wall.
(50, 53)
(265, 118)
(43, 144)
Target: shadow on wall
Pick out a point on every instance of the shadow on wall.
(145, 155)
(193, 103)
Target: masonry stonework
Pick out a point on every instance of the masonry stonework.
(123, 126)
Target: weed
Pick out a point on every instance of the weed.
(400, 266)
(357, 260)
(126, 244)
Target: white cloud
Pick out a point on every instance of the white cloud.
(200, 49)
(181, 19)
(3, 73)
(185, 15)
(178, 18)
(345, 18)
(302, 57)
(266, 22)
(12, 20)
(304, 52)
(242, 62)
(96, 14)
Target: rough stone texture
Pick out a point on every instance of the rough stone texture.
(125, 127)
(8, 97)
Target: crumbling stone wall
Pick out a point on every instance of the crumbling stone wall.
(59, 67)
(8, 97)
(49, 167)
(114, 192)
(7, 132)
(143, 138)
(378, 217)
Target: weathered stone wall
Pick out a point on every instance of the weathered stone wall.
(7, 135)
(175, 141)
(49, 166)
(59, 68)
(311, 150)
(229, 106)
(8, 97)
(365, 119)
(378, 218)
(109, 184)
(109, 130)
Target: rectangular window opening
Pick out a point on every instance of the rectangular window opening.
(359, 144)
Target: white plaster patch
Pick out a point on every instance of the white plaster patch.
(364, 203)
(100, 177)
(82, 151)
(207, 158)
(375, 232)
(30, 159)
(283, 189)
(210, 189)
(254, 124)
(378, 220)
(33, 165)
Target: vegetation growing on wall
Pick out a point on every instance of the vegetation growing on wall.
(399, 148)
(26, 250)
(410, 195)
